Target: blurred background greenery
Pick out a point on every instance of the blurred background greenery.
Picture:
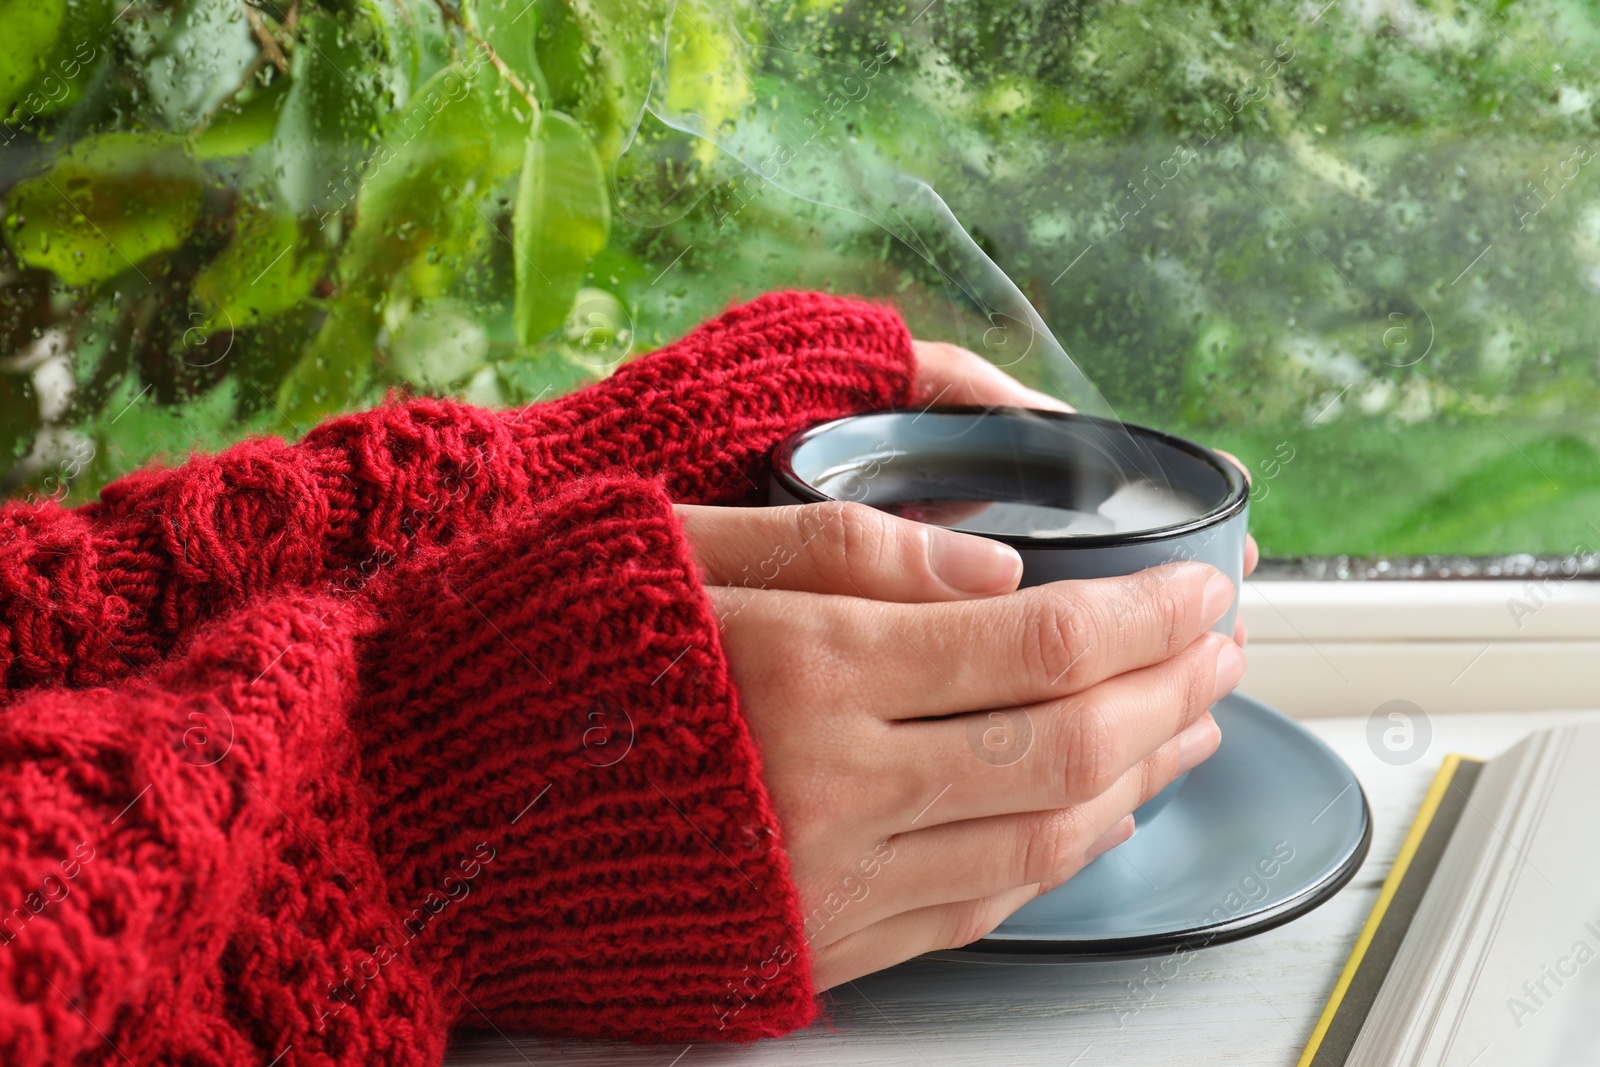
(1357, 244)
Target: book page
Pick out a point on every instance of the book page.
(1523, 987)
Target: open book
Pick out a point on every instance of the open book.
(1484, 946)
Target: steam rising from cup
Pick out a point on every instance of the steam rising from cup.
(822, 156)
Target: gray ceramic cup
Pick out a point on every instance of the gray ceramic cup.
(1010, 454)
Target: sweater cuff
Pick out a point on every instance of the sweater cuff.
(566, 800)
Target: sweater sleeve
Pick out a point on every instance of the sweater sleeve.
(88, 595)
(506, 785)
(567, 701)
(185, 870)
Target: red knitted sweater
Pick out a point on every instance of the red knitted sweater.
(315, 751)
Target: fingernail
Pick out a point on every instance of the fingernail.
(1218, 595)
(1026, 395)
(1113, 837)
(971, 564)
(1197, 742)
(1044, 401)
(1230, 668)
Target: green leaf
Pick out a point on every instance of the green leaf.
(243, 125)
(130, 432)
(707, 70)
(540, 376)
(328, 126)
(334, 368)
(62, 74)
(264, 270)
(31, 28)
(510, 123)
(562, 53)
(436, 160)
(402, 46)
(438, 344)
(562, 219)
(419, 213)
(512, 29)
(199, 61)
(597, 58)
(106, 204)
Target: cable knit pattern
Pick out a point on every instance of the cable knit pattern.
(505, 784)
(185, 865)
(92, 594)
(310, 753)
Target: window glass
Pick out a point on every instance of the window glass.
(1356, 244)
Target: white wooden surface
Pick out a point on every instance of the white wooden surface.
(1249, 1003)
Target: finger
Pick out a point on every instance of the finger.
(1252, 554)
(1063, 752)
(948, 374)
(845, 548)
(975, 858)
(1236, 462)
(978, 858)
(911, 933)
(1241, 633)
(917, 660)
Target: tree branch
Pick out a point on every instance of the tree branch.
(454, 17)
(269, 43)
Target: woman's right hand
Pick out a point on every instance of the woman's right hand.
(939, 746)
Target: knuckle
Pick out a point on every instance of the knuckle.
(853, 545)
(1200, 678)
(1043, 848)
(1151, 610)
(867, 539)
(820, 527)
(1169, 613)
(815, 642)
(1062, 634)
(969, 921)
(1090, 756)
(1155, 772)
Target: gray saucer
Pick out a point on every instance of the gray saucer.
(1265, 830)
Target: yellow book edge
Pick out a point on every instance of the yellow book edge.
(1402, 863)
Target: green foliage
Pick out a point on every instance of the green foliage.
(562, 221)
(263, 271)
(19, 418)
(597, 57)
(246, 125)
(1370, 239)
(105, 205)
(32, 27)
(418, 210)
(329, 122)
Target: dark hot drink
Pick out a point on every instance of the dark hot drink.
(1020, 498)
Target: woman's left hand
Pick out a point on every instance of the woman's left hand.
(948, 374)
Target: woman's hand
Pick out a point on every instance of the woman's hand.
(940, 747)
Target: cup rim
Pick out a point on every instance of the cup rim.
(1233, 502)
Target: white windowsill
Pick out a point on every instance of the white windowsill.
(1344, 648)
